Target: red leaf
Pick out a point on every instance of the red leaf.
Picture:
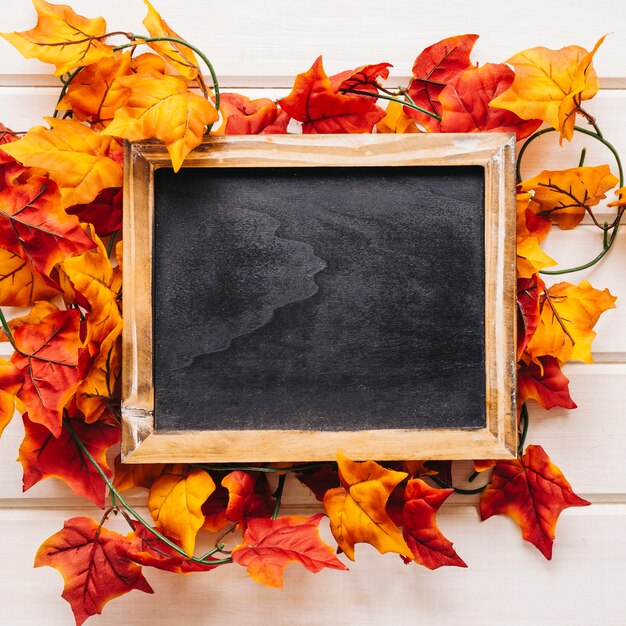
(270, 545)
(363, 78)
(104, 213)
(528, 314)
(320, 481)
(420, 531)
(42, 456)
(533, 492)
(549, 388)
(249, 495)
(313, 102)
(93, 565)
(243, 116)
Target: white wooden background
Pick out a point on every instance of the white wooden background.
(257, 48)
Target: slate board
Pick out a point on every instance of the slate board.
(319, 298)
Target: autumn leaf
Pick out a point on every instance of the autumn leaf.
(52, 358)
(33, 225)
(11, 380)
(621, 198)
(396, 121)
(434, 67)
(568, 314)
(76, 158)
(214, 509)
(428, 545)
(130, 475)
(531, 258)
(315, 103)
(19, 284)
(529, 223)
(464, 103)
(565, 196)
(62, 37)
(533, 492)
(320, 480)
(363, 78)
(93, 565)
(44, 456)
(180, 56)
(550, 85)
(175, 503)
(243, 116)
(249, 495)
(357, 508)
(545, 383)
(528, 314)
(104, 213)
(162, 107)
(37, 313)
(269, 545)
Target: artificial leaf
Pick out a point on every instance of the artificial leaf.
(529, 223)
(464, 103)
(34, 226)
(550, 85)
(433, 69)
(242, 116)
(19, 284)
(52, 357)
(130, 475)
(357, 509)
(269, 545)
(104, 213)
(621, 198)
(42, 309)
(43, 456)
(315, 103)
(531, 258)
(320, 480)
(545, 383)
(162, 107)
(568, 313)
(419, 528)
(482, 465)
(396, 121)
(76, 158)
(94, 567)
(11, 379)
(566, 195)
(175, 503)
(528, 314)
(532, 491)
(214, 509)
(249, 495)
(363, 78)
(62, 37)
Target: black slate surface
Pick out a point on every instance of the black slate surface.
(324, 299)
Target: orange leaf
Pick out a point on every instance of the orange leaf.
(93, 565)
(42, 309)
(51, 355)
(75, 156)
(566, 195)
(315, 103)
(465, 103)
(163, 107)
(568, 313)
(621, 198)
(19, 284)
(320, 481)
(249, 495)
(180, 56)
(531, 258)
(242, 116)
(528, 314)
(62, 37)
(35, 227)
(104, 213)
(270, 545)
(428, 545)
(130, 475)
(529, 224)
(550, 85)
(11, 380)
(544, 382)
(357, 509)
(396, 121)
(533, 492)
(42, 456)
(363, 78)
(175, 503)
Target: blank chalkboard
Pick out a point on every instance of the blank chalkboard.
(321, 300)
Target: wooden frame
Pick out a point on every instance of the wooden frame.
(493, 151)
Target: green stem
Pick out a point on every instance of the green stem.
(66, 83)
(523, 418)
(7, 329)
(279, 494)
(465, 492)
(254, 468)
(407, 103)
(111, 242)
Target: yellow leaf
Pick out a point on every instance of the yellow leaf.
(357, 509)
(396, 120)
(550, 85)
(175, 503)
(531, 258)
(568, 314)
(74, 156)
(621, 198)
(131, 475)
(163, 107)
(179, 55)
(19, 285)
(62, 37)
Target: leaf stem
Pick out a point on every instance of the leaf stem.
(407, 103)
(278, 494)
(523, 419)
(465, 492)
(7, 329)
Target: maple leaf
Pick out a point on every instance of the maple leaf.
(464, 103)
(44, 456)
(621, 198)
(42, 309)
(545, 383)
(93, 565)
(315, 103)
(320, 481)
(357, 508)
(396, 121)
(75, 157)
(180, 56)
(19, 284)
(533, 492)
(529, 223)
(531, 258)
(163, 107)
(269, 545)
(34, 226)
(419, 528)
(11, 380)
(568, 313)
(565, 196)
(104, 213)
(62, 37)
(52, 358)
(130, 475)
(434, 67)
(528, 314)
(363, 78)
(214, 509)
(242, 116)
(550, 85)
(175, 503)
(249, 495)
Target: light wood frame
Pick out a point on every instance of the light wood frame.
(495, 152)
